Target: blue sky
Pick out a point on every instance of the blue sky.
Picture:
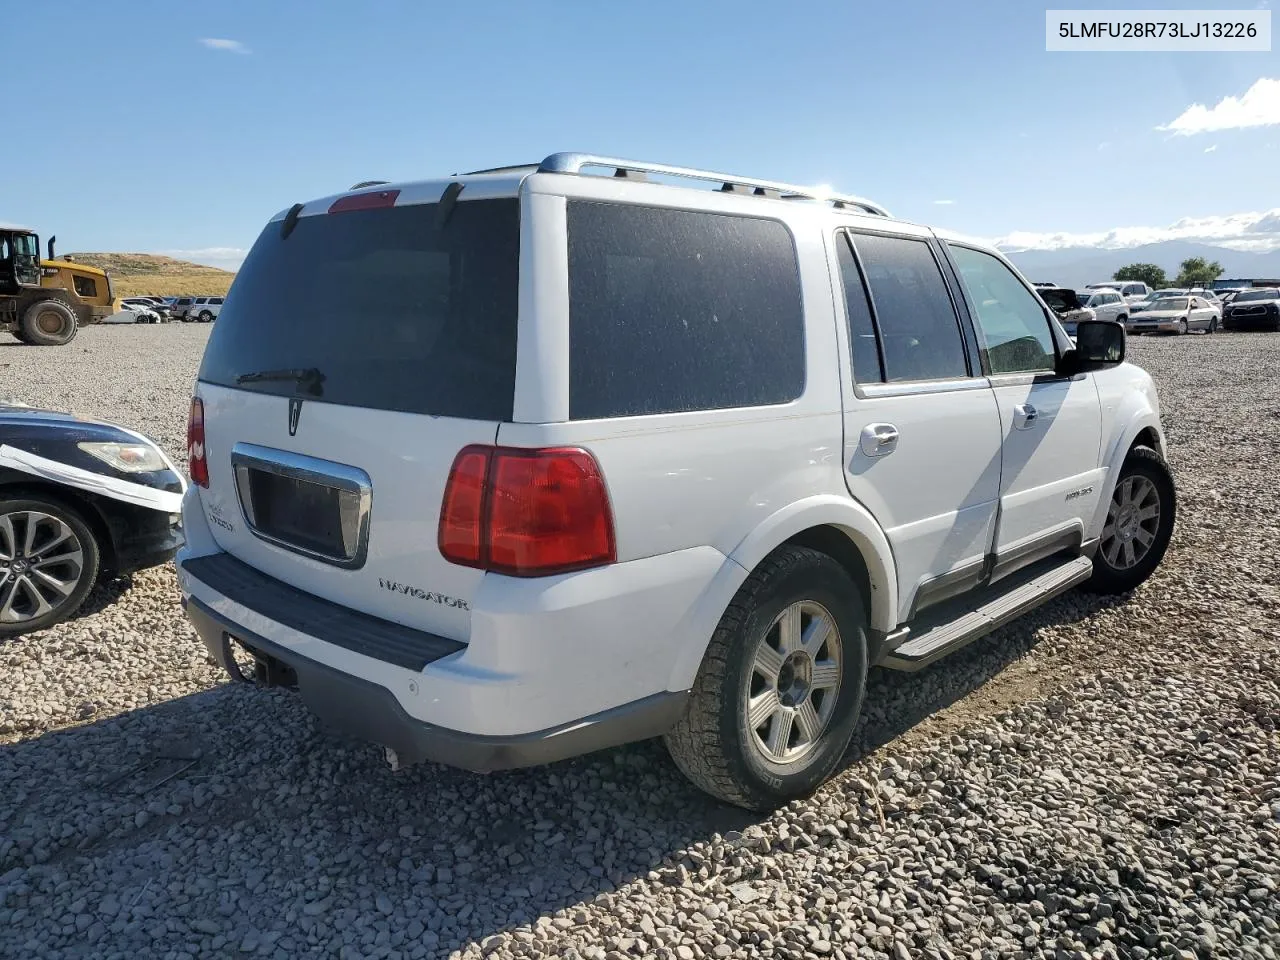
(150, 140)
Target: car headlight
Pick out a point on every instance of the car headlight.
(127, 457)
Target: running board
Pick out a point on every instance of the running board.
(1006, 603)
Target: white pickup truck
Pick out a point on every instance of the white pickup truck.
(559, 457)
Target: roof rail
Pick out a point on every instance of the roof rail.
(368, 183)
(635, 170)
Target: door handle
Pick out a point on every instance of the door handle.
(1025, 416)
(878, 439)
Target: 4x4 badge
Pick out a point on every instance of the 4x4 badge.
(295, 412)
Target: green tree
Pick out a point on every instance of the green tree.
(1147, 273)
(1197, 271)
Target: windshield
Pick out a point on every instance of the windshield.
(1260, 294)
(1172, 303)
(392, 311)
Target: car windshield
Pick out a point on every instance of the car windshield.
(1261, 294)
(1171, 303)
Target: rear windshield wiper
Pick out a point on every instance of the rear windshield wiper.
(309, 379)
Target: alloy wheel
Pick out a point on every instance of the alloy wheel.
(794, 682)
(41, 564)
(1133, 518)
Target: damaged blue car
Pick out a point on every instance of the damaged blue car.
(80, 500)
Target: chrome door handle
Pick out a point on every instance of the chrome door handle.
(1025, 416)
(878, 439)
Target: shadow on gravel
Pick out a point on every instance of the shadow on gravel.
(297, 835)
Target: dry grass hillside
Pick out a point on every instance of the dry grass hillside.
(151, 275)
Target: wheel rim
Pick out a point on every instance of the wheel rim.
(1133, 520)
(50, 322)
(41, 564)
(793, 683)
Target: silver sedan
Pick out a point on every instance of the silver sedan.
(1177, 315)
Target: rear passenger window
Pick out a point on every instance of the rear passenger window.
(862, 330)
(920, 335)
(671, 310)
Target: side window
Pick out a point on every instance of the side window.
(1114, 298)
(1014, 325)
(217, 301)
(862, 330)
(671, 310)
(85, 286)
(920, 335)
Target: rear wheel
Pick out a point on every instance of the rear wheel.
(49, 323)
(48, 563)
(775, 701)
(1139, 524)
(1213, 325)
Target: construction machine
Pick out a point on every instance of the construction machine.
(44, 302)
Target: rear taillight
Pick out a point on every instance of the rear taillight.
(197, 465)
(526, 513)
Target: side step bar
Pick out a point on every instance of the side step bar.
(940, 639)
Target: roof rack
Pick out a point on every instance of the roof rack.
(368, 183)
(634, 170)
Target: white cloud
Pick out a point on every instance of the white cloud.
(1211, 149)
(228, 46)
(945, 203)
(1257, 231)
(225, 258)
(1259, 107)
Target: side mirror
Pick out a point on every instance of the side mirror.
(1099, 344)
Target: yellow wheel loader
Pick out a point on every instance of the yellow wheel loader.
(44, 302)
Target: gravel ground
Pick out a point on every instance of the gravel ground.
(1100, 779)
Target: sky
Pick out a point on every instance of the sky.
(181, 128)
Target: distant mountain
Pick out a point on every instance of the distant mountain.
(151, 275)
(1076, 266)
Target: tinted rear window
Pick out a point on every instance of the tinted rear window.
(396, 312)
(671, 310)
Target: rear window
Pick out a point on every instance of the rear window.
(394, 311)
(671, 310)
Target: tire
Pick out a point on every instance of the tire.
(714, 744)
(1182, 328)
(1122, 319)
(1213, 325)
(206, 316)
(1149, 475)
(49, 323)
(71, 561)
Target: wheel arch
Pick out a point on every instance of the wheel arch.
(1141, 430)
(836, 526)
(22, 486)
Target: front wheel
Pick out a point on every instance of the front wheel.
(206, 316)
(1182, 327)
(780, 687)
(49, 323)
(1139, 524)
(48, 563)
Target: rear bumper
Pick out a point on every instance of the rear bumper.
(369, 711)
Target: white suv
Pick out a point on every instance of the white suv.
(205, 309)
(553, 461)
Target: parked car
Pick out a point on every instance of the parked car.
(1106, 304)
(132, 313)
(79, 500)
(1068, 306)
(1176, 315)
(147, 309)
(182, 309)
(162, 307)
(205, 309)
(614, 557)
(1131, 290)
(1155, 295)
(1255, 307)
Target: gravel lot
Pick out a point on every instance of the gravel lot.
(1100, 779)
